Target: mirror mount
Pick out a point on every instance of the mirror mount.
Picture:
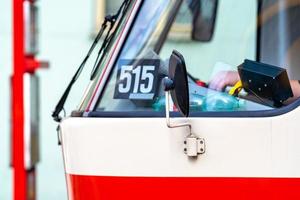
(168, 120)
(193, 145)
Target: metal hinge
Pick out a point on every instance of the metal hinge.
(194, 146)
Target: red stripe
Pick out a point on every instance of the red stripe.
(107, 188)
(19, 174)
(104, 71)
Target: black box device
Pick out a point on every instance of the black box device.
(265, 81)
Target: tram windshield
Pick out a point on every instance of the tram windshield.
(162, 26)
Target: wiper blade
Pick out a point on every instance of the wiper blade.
(60, 105)
(103, 47)
(108, 38)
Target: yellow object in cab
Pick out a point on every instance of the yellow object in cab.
(236, 88)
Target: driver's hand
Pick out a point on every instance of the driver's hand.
(223, 79)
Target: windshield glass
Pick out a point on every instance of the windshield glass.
(162, 26)
(139, 47)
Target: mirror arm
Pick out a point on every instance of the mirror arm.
(167, 93)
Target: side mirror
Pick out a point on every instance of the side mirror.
(204, 17)
(176, 84)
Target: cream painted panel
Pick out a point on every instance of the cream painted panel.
(235, 147)
(286, 143)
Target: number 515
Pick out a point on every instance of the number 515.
(140, 75)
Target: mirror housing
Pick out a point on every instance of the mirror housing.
(177, 83)
(204, 14)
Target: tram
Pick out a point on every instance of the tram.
(149, 127)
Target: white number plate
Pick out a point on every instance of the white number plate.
(137, 79)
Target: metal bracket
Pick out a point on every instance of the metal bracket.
(194, 146)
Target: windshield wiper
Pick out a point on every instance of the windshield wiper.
(108, 38)
(103, 48)
(108, 19)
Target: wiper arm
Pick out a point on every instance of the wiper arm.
(108, 38)
(101, 52)
(60, 105)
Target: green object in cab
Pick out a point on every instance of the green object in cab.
(195, 103)
(222, 102)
